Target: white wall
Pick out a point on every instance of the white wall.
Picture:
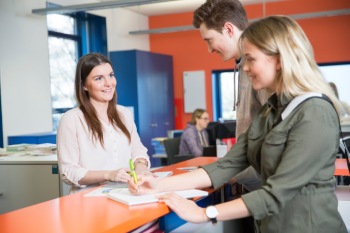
(119, 23)
(24, 64)
(24, 67)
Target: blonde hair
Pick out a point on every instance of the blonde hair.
(282, 37)
(197, 114)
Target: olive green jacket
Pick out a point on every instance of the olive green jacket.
(296, 162)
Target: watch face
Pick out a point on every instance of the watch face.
(211, 212)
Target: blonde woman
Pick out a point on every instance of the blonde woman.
(295, 157)
(195, 137)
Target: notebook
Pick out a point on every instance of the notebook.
(123, 195)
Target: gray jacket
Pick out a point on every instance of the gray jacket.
(296, 162)
(190, 143)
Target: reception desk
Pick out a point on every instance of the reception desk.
(77, 213)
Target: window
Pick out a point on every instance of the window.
(225, 85)
(70, 37)
(339, 74)
(63, 53)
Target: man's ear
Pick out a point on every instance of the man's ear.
(229, 29)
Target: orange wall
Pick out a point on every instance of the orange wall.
(330, 37)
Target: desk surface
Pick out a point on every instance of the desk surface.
(76, 213)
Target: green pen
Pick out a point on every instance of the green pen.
(132, 170)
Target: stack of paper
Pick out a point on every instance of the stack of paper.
(41, 149)
(17, 147)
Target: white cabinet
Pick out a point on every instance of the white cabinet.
(26, 181)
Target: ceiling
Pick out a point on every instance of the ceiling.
(180, 6)
(161, 8)
(170, 7)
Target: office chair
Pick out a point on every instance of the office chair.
(172, 150)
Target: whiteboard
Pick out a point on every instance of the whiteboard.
(194, 90)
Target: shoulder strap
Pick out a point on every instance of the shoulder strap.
(297, 101)
(301, 99)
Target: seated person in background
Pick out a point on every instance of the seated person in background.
(96, 140)
(195, 137)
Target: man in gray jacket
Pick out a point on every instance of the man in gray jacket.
(221, 23)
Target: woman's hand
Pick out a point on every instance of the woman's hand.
(120, 175)
(146, 184)
(184, 208)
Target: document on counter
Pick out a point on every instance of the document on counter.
(102, 191)
(124, 196)
(106, 188)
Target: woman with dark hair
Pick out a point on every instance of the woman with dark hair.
(195, 137)
(96, 140)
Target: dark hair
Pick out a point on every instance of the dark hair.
(215, 13)
(84, 68)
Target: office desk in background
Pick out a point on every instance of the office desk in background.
(76, 213)
(341, 168)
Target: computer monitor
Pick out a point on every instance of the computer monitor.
(174, 133)
(221, 130)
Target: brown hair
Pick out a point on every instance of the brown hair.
(215, 13)
(84, 67)
(197, 114)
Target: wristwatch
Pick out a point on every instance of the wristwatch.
(212, 213)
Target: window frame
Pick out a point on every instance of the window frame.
(90, 36)
(217, 92)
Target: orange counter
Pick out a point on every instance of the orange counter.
(341, 168)
(76, 213)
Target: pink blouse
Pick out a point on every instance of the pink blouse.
(78, 152)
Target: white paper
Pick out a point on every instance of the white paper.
(124, 196)
(100, 192)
